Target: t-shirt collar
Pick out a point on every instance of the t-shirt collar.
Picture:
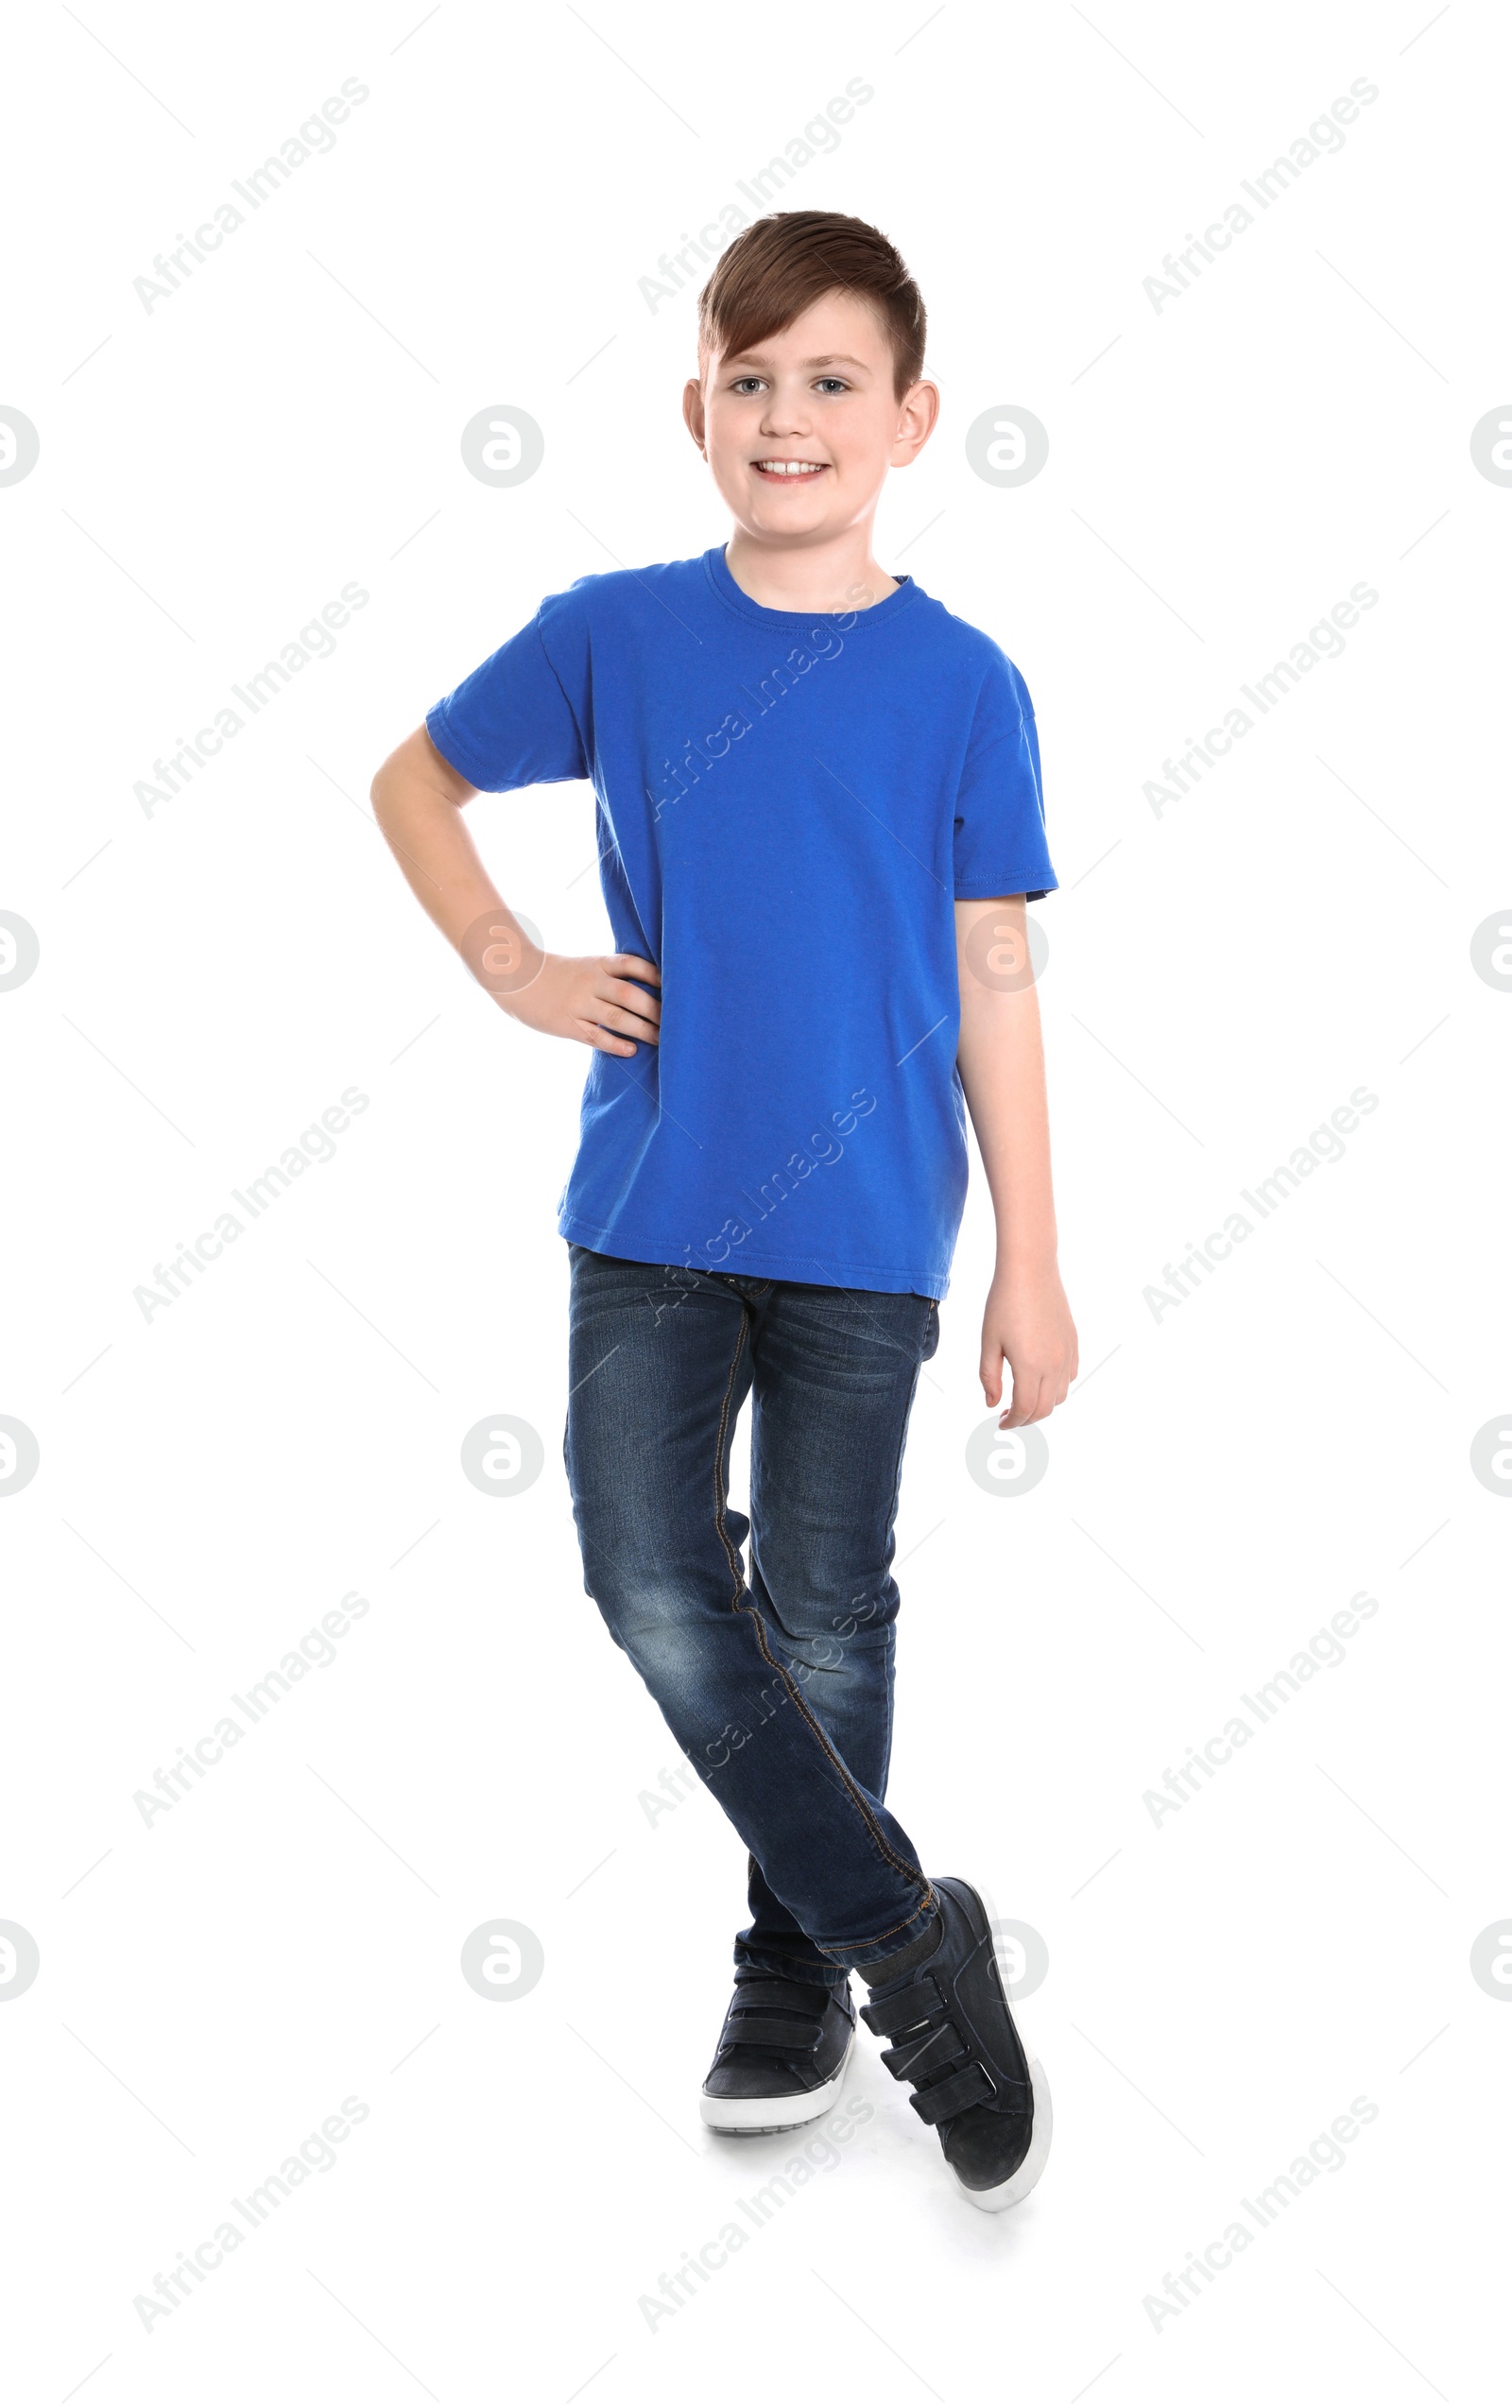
(736, 599)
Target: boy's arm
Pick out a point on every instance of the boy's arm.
(1003, 1071)
(416, 799)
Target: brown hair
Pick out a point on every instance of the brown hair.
(780, 266)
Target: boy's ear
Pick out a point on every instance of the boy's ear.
(916, 414)
(692, 410)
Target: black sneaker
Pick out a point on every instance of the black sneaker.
(782, 2055)
(954, 2038)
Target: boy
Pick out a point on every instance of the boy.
(819, 821)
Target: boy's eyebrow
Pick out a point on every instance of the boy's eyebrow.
(826, 359)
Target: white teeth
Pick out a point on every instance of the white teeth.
(791, 468)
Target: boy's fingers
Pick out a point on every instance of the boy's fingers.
(627, 1023)
(1033, 1399)
(601, 1040)
(631, 966)
(635, 999)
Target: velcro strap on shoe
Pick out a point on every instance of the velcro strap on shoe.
(801, 2033)
(913, 2004)
(968, 2087)
(913, 2060)
(774, 1990)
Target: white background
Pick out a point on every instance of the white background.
(1222, 1983)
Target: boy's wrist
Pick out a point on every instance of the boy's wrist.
(1020, 1261)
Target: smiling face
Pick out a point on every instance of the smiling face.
(800, 430)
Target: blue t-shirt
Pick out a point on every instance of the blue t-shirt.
(789, 804)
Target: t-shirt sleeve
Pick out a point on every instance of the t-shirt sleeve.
(513, 722)
(1000, 812)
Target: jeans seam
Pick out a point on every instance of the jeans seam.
(912, 1873)
(772, 1947)
(892, 1516)
(930, 1901)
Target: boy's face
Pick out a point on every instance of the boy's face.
(801, 430)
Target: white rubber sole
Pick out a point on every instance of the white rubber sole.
(785, 2113)
(1018, 2185)
(1022, 2182)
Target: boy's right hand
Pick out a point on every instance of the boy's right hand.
(418, 798)
(589, 998)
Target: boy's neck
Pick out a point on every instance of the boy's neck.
(838, 575)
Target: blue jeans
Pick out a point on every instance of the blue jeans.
(776, 1683)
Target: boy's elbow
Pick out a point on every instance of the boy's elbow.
(379, 791)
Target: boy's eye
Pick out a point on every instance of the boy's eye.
(832, 385)
(746, 384)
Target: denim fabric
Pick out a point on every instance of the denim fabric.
(775, 1677)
